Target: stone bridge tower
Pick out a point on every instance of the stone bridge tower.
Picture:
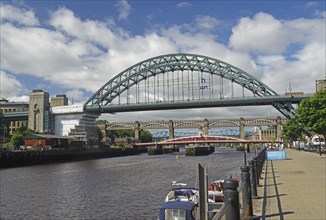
(38, 113)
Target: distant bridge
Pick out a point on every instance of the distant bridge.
(211, 123)
(205, 125)
(177, 134)
(203, 140)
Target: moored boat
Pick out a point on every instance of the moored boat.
(216, 191)
(180, 203)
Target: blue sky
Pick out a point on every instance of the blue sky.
(74, 47)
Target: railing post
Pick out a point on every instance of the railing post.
(245, 157)
(203, 208)
(246, 189)
(231, 194)
(256, 170)
(253, 179)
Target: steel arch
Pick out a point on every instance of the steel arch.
(181, 61)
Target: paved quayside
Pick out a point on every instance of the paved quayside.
(295, 190)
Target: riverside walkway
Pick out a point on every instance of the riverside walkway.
(295, 190)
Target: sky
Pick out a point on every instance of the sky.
(74, 47)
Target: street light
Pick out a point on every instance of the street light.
(319, 145)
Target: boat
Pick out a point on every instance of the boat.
(180, 203)
(216, 191)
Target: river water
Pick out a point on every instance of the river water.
(130, 187)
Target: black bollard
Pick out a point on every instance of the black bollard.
(245, 157)
(253, 179)
(246, 190)
(231, 194)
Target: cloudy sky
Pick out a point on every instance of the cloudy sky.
(75, 47)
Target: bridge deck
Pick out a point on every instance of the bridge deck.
(239, 141)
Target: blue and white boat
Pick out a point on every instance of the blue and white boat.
(180, 204)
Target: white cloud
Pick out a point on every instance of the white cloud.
(207, 22)
(10, 86)
(75, 96)
(301, 73)
(259, 33)
(102, 33)
(321, 14)
(267, 35)
(36, 51)
(311, 4)
(184, 5)
(19, 15)
(124, 9)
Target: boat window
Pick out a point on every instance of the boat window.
(175, 214)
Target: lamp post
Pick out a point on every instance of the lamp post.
(319, 145)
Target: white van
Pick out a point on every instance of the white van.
(318, 140)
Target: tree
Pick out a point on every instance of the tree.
(312, 113)
(146, 136)
(17, 138)
(125, 133)
(98, 122)
(292, 130)
(1, 119)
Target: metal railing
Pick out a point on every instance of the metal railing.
(248, 188)
(226, 206)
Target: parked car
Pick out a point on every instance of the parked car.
(299, 145)
(312, 148)
(307, 146)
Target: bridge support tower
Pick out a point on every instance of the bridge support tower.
(171, 130)
(38, 114)
(137, 131)
(242, 132)
(279, 128)
(206, 127)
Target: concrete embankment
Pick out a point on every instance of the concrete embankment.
(25, 158)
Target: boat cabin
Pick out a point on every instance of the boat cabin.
(178, 210)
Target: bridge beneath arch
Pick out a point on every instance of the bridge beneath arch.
(205, 125)
(178, 81)
(202, 140)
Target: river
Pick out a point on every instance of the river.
(130, 187)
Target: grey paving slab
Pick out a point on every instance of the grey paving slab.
(301, 186)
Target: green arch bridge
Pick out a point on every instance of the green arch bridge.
(179, 81)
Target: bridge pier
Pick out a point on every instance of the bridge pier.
(137, 131)
(206, 127)
(279, 128)
(171, 130)
(242, 132)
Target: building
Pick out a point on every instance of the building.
(59, 100)
(320, 84)
(72, 121)
(44, 140)
(39, 111)
(8, 107)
